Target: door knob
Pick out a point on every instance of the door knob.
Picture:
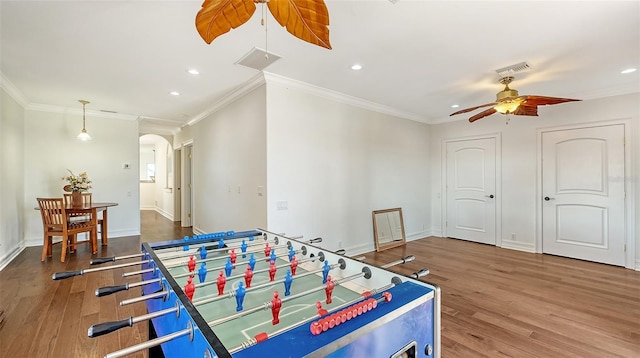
(546, 198)
(489, 196)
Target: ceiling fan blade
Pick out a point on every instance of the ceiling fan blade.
(542, 100)
(473, 108)
(482, 114)
(526, 110)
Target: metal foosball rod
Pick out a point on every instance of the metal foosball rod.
(102, 260)
(160, 294)
(151, 343)
(67, 274)
(398, 262)
(107, 290)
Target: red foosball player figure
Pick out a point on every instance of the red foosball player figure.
(248, 276)
(329, 288)
(191, 264)
(221, 281)
(233, 256)
(190, 288)
(272, 270)
(276, 303)
(267, 250)
(294, 265)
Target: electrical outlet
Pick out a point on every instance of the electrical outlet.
(513, 236)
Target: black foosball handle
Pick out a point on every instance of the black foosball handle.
(108, 327)
(101, 260)
(341, 252)
(107, 290)
(66, 274)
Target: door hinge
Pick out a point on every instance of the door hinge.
(189, 156)
(189, 185)
(189, 215)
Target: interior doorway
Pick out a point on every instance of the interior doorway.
(156, 175)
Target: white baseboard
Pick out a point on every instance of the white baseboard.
(12, 254)
(519, 246)
(417, 235)
(164, 213)
(638, 265)
(151, 207)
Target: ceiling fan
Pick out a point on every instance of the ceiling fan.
(509, 102)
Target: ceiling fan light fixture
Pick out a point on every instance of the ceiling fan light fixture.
(507, 107)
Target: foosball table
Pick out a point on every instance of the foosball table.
(257, 293)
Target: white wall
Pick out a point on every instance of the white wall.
(11, 178)
(50, 148)
(334, 163)
(519, 159)
(229, 164)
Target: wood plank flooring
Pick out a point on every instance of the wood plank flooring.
(496, 302)
(505, 303)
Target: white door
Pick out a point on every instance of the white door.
(583, 212)
(471, 190)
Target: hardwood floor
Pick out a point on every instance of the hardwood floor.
(46, 318)
(505, 303)
(496, 302)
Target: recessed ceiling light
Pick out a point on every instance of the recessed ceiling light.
(455, 105)
(629, 70)
(356, 67)
(174, 93)
(193, 71)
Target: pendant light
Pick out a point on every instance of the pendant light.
(83, 136)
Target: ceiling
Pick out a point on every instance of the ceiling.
(418, 57)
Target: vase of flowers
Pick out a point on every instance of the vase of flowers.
(77, 184)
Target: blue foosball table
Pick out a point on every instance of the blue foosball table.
(257, 293)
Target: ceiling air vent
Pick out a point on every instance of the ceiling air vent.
(513, 69)
(258, 59)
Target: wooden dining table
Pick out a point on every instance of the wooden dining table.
(93, 209)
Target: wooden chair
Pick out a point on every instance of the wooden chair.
(87, 199)
(56, 223)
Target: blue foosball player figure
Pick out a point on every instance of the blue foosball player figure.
(202, 272)
(243, 248)
(325, 271)
(203, 252)
(240, 292)
(252, 262)
(288, 280)
(228, 267)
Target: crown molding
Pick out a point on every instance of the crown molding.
(340, 97)
(13, 91)
(230, 97)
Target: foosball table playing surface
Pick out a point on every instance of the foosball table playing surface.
(257, 294)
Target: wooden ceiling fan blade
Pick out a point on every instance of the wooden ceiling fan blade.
(473, 108)
(526, 110)
(482, 114)
(543, 100)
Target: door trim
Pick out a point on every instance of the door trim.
(629, 187)
(443, 184)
